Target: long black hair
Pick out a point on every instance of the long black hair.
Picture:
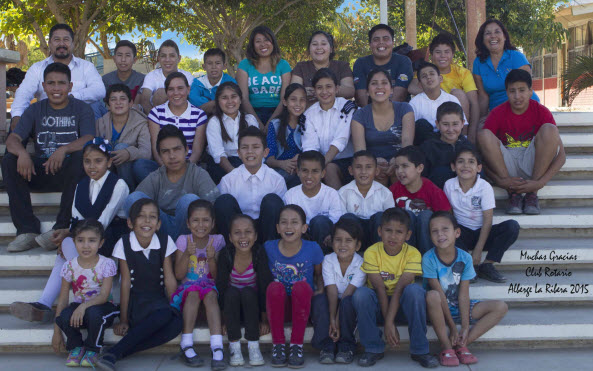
(218, 113)
(285, 115)
(482, 51)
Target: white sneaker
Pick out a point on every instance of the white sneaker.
(255, 356)
(236, 355)
(22, 242)
(44, 240)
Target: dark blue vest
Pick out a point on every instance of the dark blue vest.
(83, 198)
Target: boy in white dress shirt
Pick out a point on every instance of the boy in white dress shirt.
(252, 188)
(364, 199)
(321, 203)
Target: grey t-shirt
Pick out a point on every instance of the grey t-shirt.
(195, 180)
(134, 82)
(51, 128)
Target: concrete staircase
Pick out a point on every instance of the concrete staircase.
(549, 269)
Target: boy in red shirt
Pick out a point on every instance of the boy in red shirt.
(521, 145)
(417, 195)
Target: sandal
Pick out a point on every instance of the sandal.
(464, 356)
(448, 358)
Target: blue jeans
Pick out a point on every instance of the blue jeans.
(99, 109)
(124, 171)
(420, 227)
(370, 228)
(320, 320)
(142, 167)
(412, 309)
(173, 225)
(319, 228)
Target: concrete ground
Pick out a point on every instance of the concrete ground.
(489, 360)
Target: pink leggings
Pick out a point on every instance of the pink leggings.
(278, 304)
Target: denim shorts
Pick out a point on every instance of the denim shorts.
(454, 309)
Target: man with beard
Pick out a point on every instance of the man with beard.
(86, 81)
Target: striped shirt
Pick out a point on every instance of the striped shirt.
(188, 122)
(245, 279)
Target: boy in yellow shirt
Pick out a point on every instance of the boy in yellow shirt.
(390, 293)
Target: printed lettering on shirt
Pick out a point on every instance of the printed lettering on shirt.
(386, 276)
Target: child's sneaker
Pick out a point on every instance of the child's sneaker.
(75, 357)
(296, 358)
(279, 355)
(531, 204)
(345, 357)
(448, 358)
(236, 358)
(89, 359)
(326, 357)
(515, 204)
(255, 356)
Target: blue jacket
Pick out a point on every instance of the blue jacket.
(202, 92)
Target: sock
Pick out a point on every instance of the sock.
(299, 345)
(253, 344)
(216, 343)
(187, 340)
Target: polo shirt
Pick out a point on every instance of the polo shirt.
(326, 202)
(426, 108)
(459, 78)
(468, 207)
(378, 199)
(188, 121)
(332, 273)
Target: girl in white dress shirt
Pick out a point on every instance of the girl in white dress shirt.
(99, 195)
(223, 138)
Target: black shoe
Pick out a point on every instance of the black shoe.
(194, 361)
(296, 358)
(326, 357)
(369, 359)
(426, 360)
(279, 355)
(217, 365)
(106, 362)
(345, 357)
(488, 272)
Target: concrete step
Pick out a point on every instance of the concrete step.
(553, 222)
(577, 142)
(522, 327)
(557, 193)
(7, 229)
(574, 121)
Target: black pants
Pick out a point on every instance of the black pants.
(96, 319)
(226, 206)
(19, 195)
(501, 237)
(157, 328)
(241, 303)
(215, 170)
(370, 227)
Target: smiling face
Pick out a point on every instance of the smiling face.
(381, 44)
(230, 102)
(251, 151)
(450, 126)
(393, 235)
(519, 95)
(147, 222)
(290, 226)
(200, 223)
(429, 79)
(379, 88)
(494, 38)
(242, 234)
(364, 170)
(310, 174)
(87, 243)
(168, 58)
(177, 93)
(214, 67)
(443, 234)
(263, 45)
(95, 164)
(57, 87)
(173, 153)
(61, 44)
(325, 91)
(296, 102)
(124, 58)
(442, 56)
(466, 166)
(119, 104)
(344, 245)
(406, 172)
(320, 49)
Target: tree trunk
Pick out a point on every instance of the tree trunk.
(105, 46)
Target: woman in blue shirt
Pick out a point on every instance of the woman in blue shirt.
(263, 75)
(497, 56)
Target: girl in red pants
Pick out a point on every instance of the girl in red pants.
(295, 264)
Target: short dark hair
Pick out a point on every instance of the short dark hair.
(324, 73)
(200, 204)
(330, 41)
(375, 71)
(311, 156)
(117, 88)
(89, 225)
(215, 52)
(381, 26)
(446, 215)
(137, 208)
(61, 26)
(449, 108)
(441, 39)
(297, 209)
(424, 65)
(467, 149)
(350, 226)
(242, 216)
(57, 67)
(395, 214)
(169, 131)
(518, 75)
(128, 43)
(252, 131)
(414, 154)
(169, 43)
(364, 153)
(175, 75)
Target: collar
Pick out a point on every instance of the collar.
(245, 174)
(73, 63)
(225, 117)
(506, 54)
(135, 245)
(204, 80)
(184, 115)
(457, 186)
(336, 106)
(101, 180)
(373, 188)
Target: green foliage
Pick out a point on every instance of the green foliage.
(33, 56)
(190, 64)
(578, 77)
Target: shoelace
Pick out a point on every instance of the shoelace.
(278, 350)
(299, 350)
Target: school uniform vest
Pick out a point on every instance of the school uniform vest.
(82, 201)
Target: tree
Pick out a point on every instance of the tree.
(578, 77)
(191, 65)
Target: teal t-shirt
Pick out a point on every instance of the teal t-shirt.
(264, 89)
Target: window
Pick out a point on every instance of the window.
(536, 68)
(550, 65)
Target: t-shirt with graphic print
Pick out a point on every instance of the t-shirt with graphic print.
(264, 88)
(51, 128)
(198, 263)
(87, 282)
(449, 275)
(299, 267)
